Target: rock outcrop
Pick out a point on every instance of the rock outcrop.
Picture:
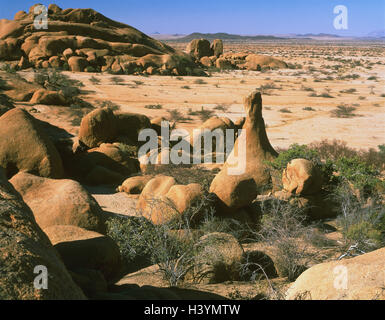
(103, 126)
(302, 177)
(82, 40)
(24, 246)
(83, 249)
(237, 189)
(27, 147)
(59, 202)
(359, 278)
(163, 200)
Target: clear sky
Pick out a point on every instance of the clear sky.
(231, 16)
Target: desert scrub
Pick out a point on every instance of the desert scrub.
(285, 110)
(203, 114)
(153, 106)
(55, 80)
(363, 177)
(336, 149)
(8, 68)
(139, 239)
(200, 81)
(343, 111)
(117, 80)
(176, 115)
(308, 109)
(94, 80)
(109, 104)
(283, 228)
(362, 224)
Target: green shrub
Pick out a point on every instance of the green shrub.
(362, 224)
(110, 105)
(364, 177)
(343, 111)
(55, 80)
(8, 68)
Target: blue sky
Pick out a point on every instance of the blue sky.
(231, 16)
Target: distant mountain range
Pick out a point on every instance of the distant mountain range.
(225, 36)
(379, 34)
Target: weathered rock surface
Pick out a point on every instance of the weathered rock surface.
(359, 278)
(59, 202)
(83, 249)
(23, 246)
(27, 147)
(302, 177)
(74, 33)
(245, 175)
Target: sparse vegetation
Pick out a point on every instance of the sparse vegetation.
(94, 80)
(153, 106)
(117, 80)
(343, 111)
(200, 81)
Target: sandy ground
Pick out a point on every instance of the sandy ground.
(228, 88)
(114, 202)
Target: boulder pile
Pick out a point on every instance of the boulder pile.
(85, 40)
(213, 56)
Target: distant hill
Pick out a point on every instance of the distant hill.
(224, 36)
(377, 34)
(318, 35)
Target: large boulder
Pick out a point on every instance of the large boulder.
(162, 200)
(199, 48)
(5, 104)
(97, 127)
(255, 62)
(43, 96)
(24, 246)
(26, 147)
(134, 185)
(359, 278)
(130, 124)
(108, 164)
(83, 30)
(223, 64)
(77, 64)
(113, 157)
(83, 249)
(217, 47)
(245, 174)
(59, 202)
(302, 177)
(153, 202)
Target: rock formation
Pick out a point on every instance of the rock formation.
(359, 278)
(85, 40)
(239, 189)
(23, 246)
(27, 147)
(59, 202)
